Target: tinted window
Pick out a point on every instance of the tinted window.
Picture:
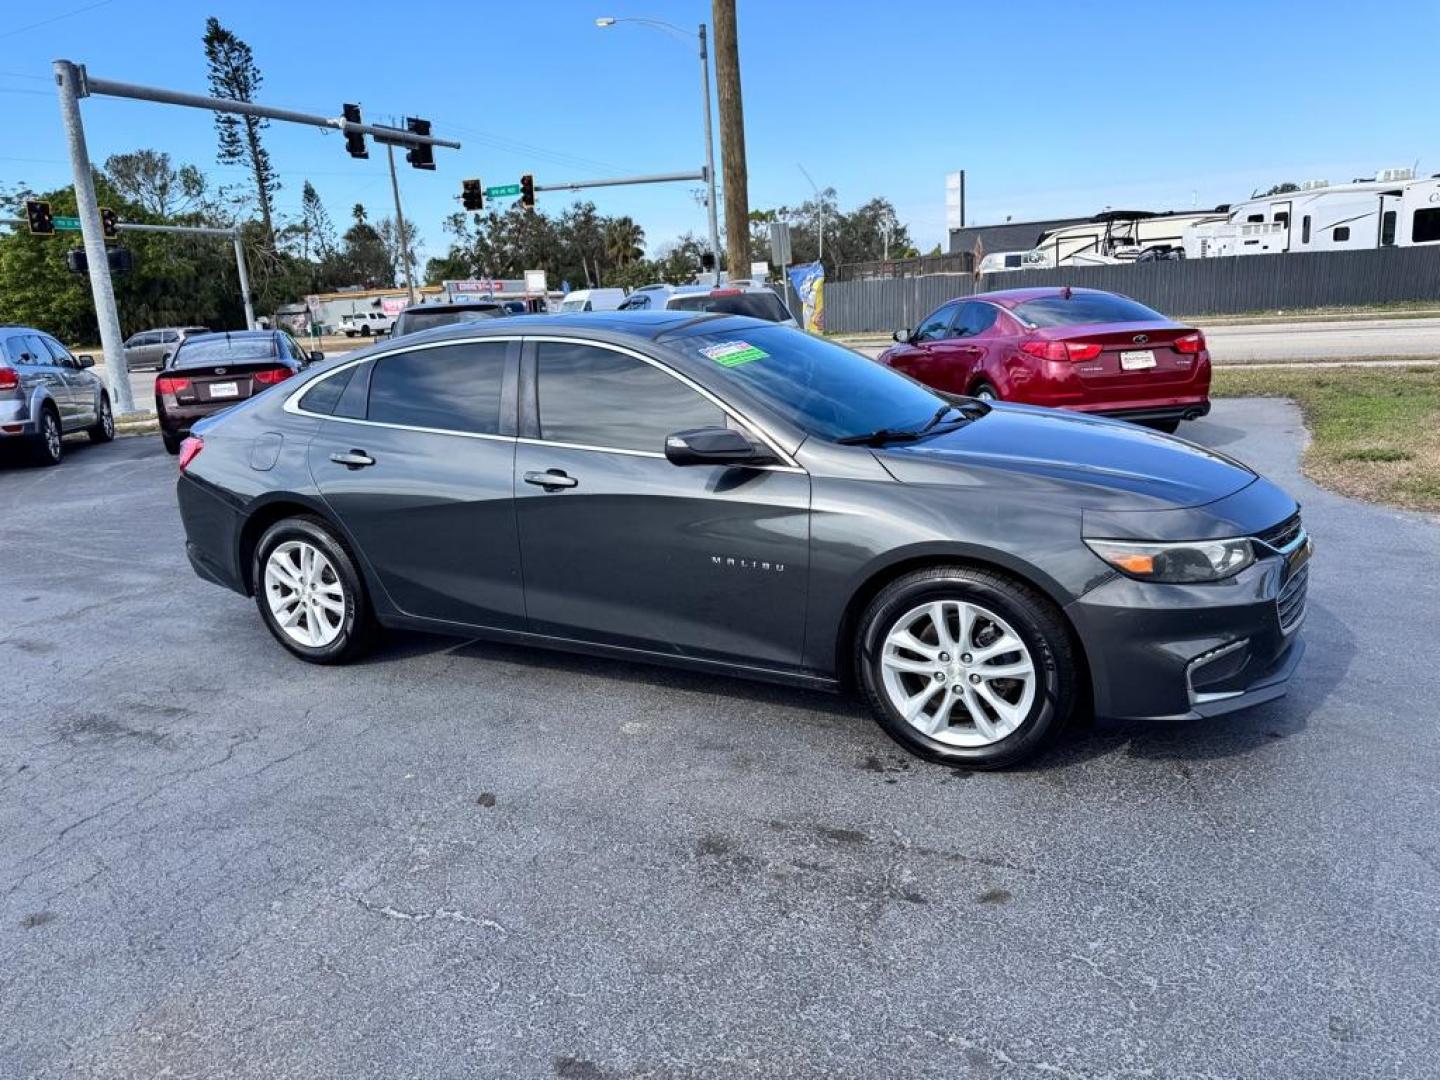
(321, 397)
(414, 321)
(1387, 229)
(936, 325)
(598, 397)
(1255, 217)
(819, 386)
(450, 387)
(757, 305)
(1425, 226)
(1341, 233)
(35, 351)
(1282, 218)
(1085, 309)
(636, 302)
(57, 351)
(974, 319)
(1305, 229)
(223, 349)
(168, 336)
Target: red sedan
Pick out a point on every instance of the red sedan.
(1066, 348)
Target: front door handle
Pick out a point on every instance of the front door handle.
(551, 479)
(355, 459)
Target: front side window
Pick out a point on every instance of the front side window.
(592, 396)
(822, 388)
(448, 387)
(936, 325)
(58, 352)
(1425, 226)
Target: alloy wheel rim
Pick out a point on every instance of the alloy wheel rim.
(107, 418)
(985, 394)
(52, 436)
(305, 594)
(958, 673)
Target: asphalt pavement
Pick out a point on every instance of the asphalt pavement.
(465, 860)
(1337, 340)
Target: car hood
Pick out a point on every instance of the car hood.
(1103, 464)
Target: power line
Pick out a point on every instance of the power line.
(54, 18)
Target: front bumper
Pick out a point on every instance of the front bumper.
(1184, 652)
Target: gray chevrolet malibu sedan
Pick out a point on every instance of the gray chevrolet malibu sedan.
(740, 497)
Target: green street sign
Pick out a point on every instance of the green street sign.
(490, 193)
(72, 224)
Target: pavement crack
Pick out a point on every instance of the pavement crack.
(440, 914)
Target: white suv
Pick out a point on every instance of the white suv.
(366, 323)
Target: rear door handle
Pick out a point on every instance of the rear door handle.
(551, 480)
(355, 459)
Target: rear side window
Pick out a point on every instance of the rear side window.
(1085, 309)
(975, 318)
(321, 397)
(1425, 226)
(448, 387)
(597, 397)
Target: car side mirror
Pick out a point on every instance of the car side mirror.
(714, 446)
(316, 357)
(86, 360)
(902, 337)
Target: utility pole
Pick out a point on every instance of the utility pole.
(112, 342)
(709, 155)
(732, 137)
(404, 233)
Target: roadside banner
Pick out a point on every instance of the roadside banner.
(809, 282)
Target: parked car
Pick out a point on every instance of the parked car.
(213, 372)
(1078, 349)
(735, 496)
(419, 317)
(366, 324)
(47, 393)
(148, 349)
(592, 300)
(740, 298)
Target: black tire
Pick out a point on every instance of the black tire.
(172, 442)
(103, 429)
(365, 331)
(984, 391)
(357, 626)
(1169, 427)
(48, 447)
(1032, 617)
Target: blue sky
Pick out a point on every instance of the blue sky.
(1052, 108)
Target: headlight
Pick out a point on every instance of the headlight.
(1195, 560)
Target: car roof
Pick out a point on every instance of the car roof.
(1009, 298)
(452, 305)
(241, 335)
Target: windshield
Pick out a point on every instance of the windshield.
(220, 349)
(757, 305)
(819, 386)
(1085, 309)
(573, 305)
(415, 321)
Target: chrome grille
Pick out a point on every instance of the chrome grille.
(1283, 535)
(1291, 602)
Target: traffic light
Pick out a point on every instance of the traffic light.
(422, 156)
(37, 214)
(354, 140)
(108, 223)
(527, 191)
(472, 195)
(119, 260)
(76, 262)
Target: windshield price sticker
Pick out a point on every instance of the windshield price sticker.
(734, 353)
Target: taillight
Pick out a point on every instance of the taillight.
(169, 384)
(9, 378)
(271, 376)
(1061, 350)
(1190, 343)
(190, 450)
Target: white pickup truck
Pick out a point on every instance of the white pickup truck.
(366, 324)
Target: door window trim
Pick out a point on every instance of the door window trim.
(292, 403)
(754, 430)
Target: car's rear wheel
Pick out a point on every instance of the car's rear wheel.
(966, 666)
(103, 429)
(310, 593)
(365, 331)
(49, 446)
(985, 392)
(172, 442)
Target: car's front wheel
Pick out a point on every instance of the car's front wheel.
(103, 429)
(966, 666)
(985, 392)
(310, 593)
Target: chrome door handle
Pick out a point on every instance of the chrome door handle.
(551, 480)
(355, 459)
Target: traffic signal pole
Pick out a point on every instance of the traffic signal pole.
(400, 227)
(112, 342)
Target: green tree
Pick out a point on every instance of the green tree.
(364, 258)
(234, 74)
(624, 241)
(147, 178)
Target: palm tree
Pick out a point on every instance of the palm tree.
(624, 241)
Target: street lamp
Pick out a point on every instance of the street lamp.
(604, 22)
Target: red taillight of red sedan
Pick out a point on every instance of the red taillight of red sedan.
(1061, 350)
(190, 449)
(1191, 343)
